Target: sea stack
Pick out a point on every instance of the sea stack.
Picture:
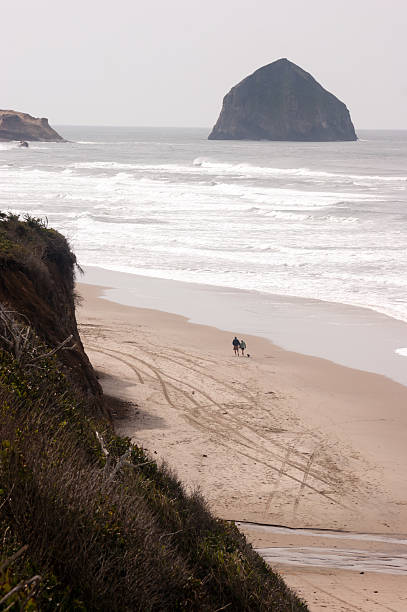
(281, 101)
(21, 126)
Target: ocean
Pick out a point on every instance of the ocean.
(313, 220)
(326, 221)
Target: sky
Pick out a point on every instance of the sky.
(169, 63)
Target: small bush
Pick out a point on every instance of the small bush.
(113, 532)
(89, 521)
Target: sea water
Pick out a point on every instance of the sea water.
(314, 220)
(325, 221)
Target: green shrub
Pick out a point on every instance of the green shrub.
(94, 522)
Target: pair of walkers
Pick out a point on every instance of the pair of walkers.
(238, 344)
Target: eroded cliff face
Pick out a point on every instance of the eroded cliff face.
(37, 283)
(282, 102)
(21, 126)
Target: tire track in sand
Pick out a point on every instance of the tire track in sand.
(240, 422)
(200, 412)
(377, 603)
(304, 480)
(135, 370)
(350, 605)
(225, 422)
(279, 477)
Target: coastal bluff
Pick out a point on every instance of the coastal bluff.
(37, 284)
(22, 126)
(281, 101)
(90, 519)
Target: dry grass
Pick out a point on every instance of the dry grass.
(116, 533)
(101, 526)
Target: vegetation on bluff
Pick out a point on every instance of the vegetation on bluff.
(37, 279)
(88, 520)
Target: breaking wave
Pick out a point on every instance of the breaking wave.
(319, 221)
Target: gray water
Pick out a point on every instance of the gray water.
(355, 337)
(325, 222)
(390, 561)
(313, 220)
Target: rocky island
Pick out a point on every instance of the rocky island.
(22, 126)
(281, 101)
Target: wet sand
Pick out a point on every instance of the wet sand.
(277, 438)
(337, 571)
(356, 337)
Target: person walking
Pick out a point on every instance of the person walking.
(236, 345)
(242, 346)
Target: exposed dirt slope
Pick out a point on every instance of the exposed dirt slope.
(37, 281)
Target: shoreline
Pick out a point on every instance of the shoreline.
(345, 402)
(280, 438)
(355, 337)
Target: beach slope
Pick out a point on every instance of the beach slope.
(275, 438)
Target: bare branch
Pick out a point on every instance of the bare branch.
(56, 349)
(9, 560)
(20, 339)
(137, 465)
(119, 464)
(102, 444)
(21, 585)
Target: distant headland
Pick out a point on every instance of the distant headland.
(281, 101)
(15, 125)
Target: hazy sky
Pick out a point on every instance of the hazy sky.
(169, 63)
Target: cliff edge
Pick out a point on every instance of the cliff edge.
(21, 126)
(89, 521)
(281, 101)
(37, 280)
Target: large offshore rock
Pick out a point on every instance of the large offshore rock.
(282, 102)
(21, 126)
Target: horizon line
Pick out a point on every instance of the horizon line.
(198, 127)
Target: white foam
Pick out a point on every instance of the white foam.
(289, 231)
(201, 166)
(110, 165)
(295, 172)
(6, 146)
(401, 351)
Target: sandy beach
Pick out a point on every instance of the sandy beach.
(277, 438)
